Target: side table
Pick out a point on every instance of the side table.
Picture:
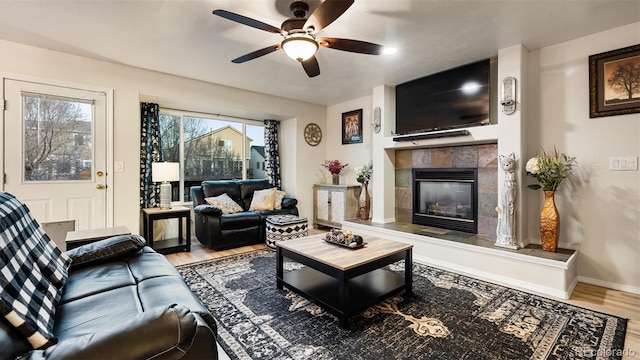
(78, 238)
(166, 246)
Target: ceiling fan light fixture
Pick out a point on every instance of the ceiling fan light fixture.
(300, 47)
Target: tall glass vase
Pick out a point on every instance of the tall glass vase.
(549, 222)
(364, 202)
(335, 179)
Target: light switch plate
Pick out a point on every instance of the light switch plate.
(118, 166)
(623, 163)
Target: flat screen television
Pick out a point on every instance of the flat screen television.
(454, 98)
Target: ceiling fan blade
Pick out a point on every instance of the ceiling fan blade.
(247, 21)
(311, 66)
(327, 13)
(356, 46)
(256, 54)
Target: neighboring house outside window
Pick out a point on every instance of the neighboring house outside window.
(208, 148)
(256, 163)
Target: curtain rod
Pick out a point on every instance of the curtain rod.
(216, 115)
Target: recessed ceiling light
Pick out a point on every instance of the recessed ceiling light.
(389, 50)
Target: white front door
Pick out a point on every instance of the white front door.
(55, 146)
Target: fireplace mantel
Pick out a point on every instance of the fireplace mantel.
(477, 135)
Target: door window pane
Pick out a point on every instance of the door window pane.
(57, 138)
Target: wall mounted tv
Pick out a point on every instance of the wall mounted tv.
(454, 98)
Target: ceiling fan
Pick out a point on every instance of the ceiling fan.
(300, 42)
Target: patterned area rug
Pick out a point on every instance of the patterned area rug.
(449, 317)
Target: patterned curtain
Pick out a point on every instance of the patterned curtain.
(149, 152)
(271, 153)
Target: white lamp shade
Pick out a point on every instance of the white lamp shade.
(299, 48)
(165, 171)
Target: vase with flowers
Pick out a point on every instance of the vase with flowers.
(550, 170)
(335, 168)
(363, 176)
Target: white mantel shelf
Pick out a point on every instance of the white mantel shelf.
(545, 276)
(477, 135)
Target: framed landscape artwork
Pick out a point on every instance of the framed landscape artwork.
(352, 127)
(614, 82)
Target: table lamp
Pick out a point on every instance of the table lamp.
(165, 172)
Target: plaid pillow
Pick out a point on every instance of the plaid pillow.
(32, 273)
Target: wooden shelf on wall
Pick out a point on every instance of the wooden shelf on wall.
(477, 135)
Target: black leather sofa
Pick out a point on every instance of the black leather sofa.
(220, 231)
(122, 300)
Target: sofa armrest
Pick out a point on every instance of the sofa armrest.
(289, 202)
(160, 333)
(112, 248)
(207, 210)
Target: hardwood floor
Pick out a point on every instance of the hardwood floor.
(615, 302)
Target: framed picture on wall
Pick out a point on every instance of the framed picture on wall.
(614, 82)
(352, 127)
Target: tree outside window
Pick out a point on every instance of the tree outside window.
(57, 139)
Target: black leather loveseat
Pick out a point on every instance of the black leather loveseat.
(218, 230)
(121, 300)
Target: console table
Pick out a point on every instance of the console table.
(166, 246)
(334, 203)
(78, 238)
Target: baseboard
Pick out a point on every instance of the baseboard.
(497, 279)
(609, 284)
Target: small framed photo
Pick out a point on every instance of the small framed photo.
(352, 127)
(614, 84)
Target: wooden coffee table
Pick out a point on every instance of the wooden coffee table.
(344, 281)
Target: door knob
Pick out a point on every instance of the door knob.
(101, 186)
(99, 173)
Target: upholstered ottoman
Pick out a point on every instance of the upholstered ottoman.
(285, 227)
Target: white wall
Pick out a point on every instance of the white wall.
(599, 209)
(353, 154)
(131, 85)
(512, 138)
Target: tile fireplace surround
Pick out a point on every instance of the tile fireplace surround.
(484, 157)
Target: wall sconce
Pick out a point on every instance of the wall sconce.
(165, 172)
(377, 119)
(508, 101)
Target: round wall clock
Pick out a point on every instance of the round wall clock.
(312, 134)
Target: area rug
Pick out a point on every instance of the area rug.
(449, 317)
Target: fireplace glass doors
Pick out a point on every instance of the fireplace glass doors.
(446, 198)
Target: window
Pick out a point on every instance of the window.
(225, 144)
(208, 148)
(57, 136)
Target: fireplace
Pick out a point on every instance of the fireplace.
(446, 198)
